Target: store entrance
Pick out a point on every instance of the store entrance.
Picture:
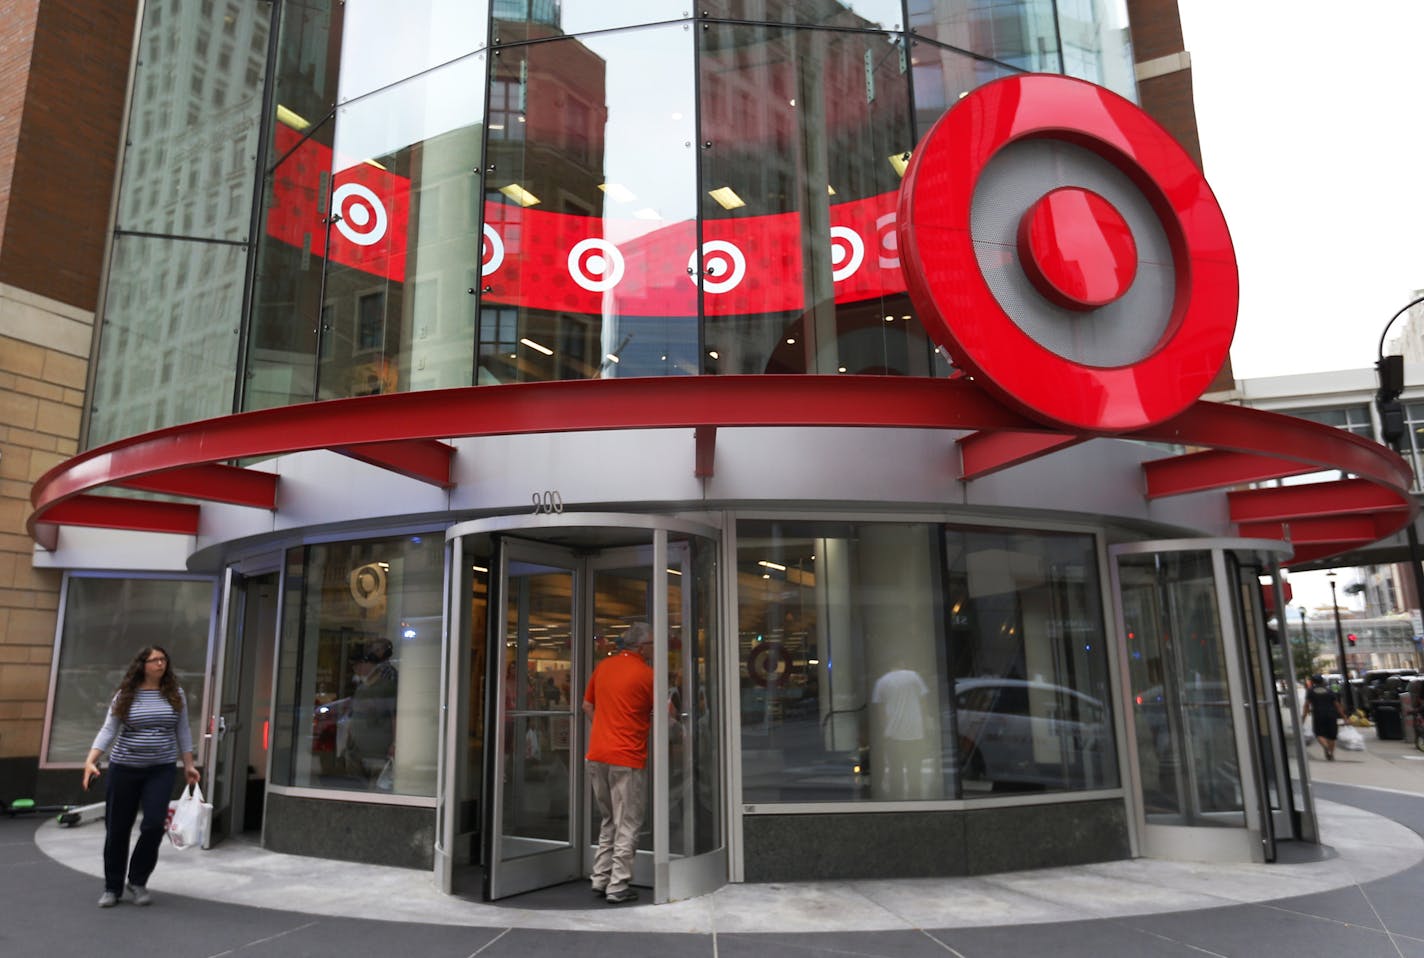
(1210, 764)
(536, 609)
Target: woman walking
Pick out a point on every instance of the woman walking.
(145, 733)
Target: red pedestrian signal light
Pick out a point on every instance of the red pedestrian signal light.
(1351, 638)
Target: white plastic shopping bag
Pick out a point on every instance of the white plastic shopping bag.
(1350, 739)
(189, 819)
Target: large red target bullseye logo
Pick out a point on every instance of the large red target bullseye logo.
(1077, 253)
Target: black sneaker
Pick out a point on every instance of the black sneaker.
(620, 897)
(599, 890)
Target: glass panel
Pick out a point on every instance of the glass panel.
(287, 297)
(694, 721)
(589, 230)
(1027, 653)
(383, 43)
(1186, 746)
(198, 81)
(359, 679)
(842, 680)
(106, 622)
(538, 656)
(942, 77)
(1097, 45)
(516, 20)
(168, 352)
(469, 790)
(1251, 616)
(804, 133)
(1021, 33)
(396, 311)
(847, 15)
(908, 662)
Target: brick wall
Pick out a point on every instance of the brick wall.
(43, 361)
(68, 138)
(17, 25)
(63, 71)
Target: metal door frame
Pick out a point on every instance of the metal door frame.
(1254, 842)
(232, 622)
(671, 879)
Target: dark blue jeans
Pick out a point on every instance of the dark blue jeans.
(130, 789)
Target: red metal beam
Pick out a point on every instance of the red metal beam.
(1215, 469)
(1317, 530)
(1288, 503)
(425, 459)
(402, 430)
(983, 453)
(705, 457)
(112, 512)
(212, 482)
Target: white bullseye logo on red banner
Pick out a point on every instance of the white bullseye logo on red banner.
(889, 255)
(359, 214)
(723, 266)
(492, 252)
(1068, 254)
(847, 252)
(596, 265)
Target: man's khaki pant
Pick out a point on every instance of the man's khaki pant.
(619, 793)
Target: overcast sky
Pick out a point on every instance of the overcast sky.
(1311, 117)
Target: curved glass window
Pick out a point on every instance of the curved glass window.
(804, 134)
(1021, 33)
(589, 210)
(167, 350)
(892, 662)
(462, 193)
(358, 683)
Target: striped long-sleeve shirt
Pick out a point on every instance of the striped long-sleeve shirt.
(153, 733)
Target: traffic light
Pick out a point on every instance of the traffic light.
(1351, 639)
(1391, 383)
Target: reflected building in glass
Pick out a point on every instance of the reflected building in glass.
(437, 344)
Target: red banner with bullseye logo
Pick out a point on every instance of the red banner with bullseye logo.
(588, 264)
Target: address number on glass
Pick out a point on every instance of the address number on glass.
(548, 503)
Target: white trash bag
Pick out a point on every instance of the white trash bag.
(190, 819)
(1350, 739)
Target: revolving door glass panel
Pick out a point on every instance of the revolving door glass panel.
(1186, 742)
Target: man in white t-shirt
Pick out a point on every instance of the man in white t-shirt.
(900, 693)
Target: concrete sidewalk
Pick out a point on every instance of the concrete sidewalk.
(1360, 899)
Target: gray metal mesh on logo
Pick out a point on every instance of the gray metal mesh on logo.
(1118, 334)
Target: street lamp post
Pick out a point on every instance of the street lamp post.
(1340, 644)
(1390, 372)
(1305, 639)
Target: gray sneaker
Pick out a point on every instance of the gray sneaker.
(140, 895)
(108, 899)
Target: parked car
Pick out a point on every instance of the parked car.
(1018, 735)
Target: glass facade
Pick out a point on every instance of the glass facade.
(892, 662)
(105, 622)
(358, 676)
(359, 198)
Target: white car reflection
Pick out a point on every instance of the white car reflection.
(1020, 735)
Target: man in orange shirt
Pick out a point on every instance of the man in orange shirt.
(619, 697)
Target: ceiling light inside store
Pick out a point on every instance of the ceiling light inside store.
(519, 194)
(292, 118)
(612, 358)
(537, 347)
(898, 161)
(618, 191)
(771, 565)
(726, 197)
(830, 190)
